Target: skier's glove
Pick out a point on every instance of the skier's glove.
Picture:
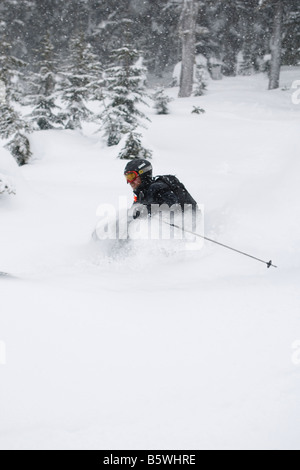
(137, 211)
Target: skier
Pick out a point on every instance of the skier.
(162, 194)
(149, 191)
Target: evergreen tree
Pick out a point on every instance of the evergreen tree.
(124, 91)
(161, 101)
(133, 148)
(13, 126)
(198, 110)
(42, 90)
(94, 71)
(10, 70)
(119, 23)
(200, 81)
(229, 30)
(19, 147)
(77, 83)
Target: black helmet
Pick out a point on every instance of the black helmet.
(141, 166)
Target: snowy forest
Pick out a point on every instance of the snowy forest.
(57, 56)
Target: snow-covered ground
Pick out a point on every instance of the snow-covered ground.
(149, 351)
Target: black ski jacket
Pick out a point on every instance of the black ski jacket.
(155, 192)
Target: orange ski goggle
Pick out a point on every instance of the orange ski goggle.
(131, 176)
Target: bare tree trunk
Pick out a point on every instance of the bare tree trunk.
(276, 44)
(187, 31)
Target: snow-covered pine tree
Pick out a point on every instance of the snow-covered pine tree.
(19, 146)
(247, 65)
(13, 126)
(225, 29)
(10, 70)
(42, 89)
(78, 84)
(124, 91)
(161, 101)
(133, 148)
(111, 27)
(201, 84)
(94, 69)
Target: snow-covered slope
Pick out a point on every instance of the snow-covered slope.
(150, 351)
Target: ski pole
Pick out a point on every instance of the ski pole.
(268, 263)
